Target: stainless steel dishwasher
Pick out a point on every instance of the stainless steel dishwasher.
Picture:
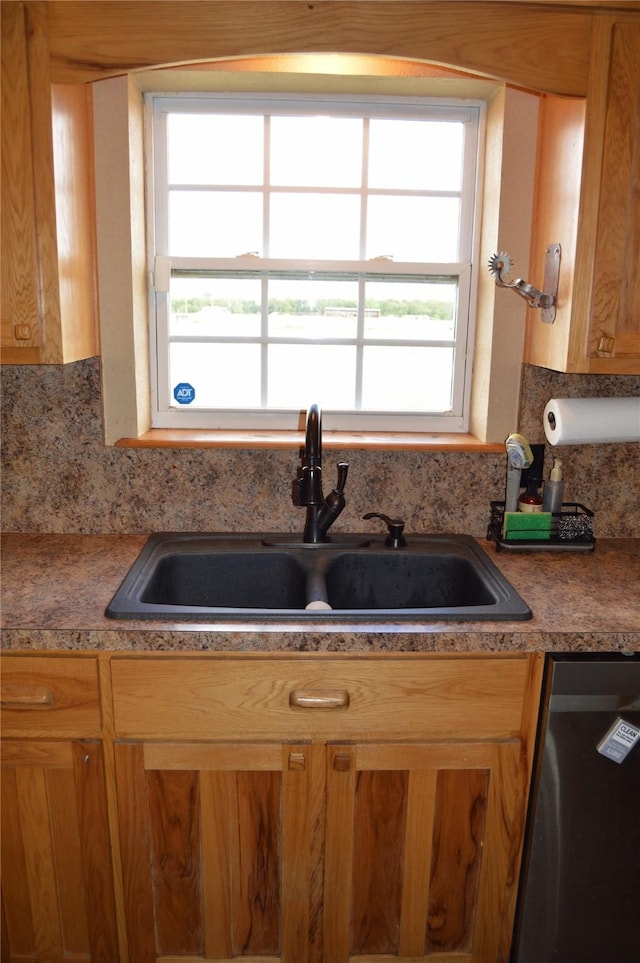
(578, 900)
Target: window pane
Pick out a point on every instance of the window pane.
(407, 379)
(312, 309)
(410, 311)
(223, 375)
(215, 149)
(413, 228)
(214, 223)
(316, 151)
(222, 307)
(418, 154)
(315, 226)
(300, 374)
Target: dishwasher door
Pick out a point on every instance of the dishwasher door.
(580, 889)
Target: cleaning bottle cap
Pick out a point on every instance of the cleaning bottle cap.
(556, 471)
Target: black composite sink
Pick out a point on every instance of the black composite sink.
(210, 577)
(237, 580)
(393, 580)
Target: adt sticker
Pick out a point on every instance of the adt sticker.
(184, 393)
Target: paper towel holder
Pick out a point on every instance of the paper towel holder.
(500, 265)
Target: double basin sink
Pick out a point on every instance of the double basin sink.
(248, 577)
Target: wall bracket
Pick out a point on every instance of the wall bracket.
(500, 265)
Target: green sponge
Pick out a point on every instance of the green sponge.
(521, 526)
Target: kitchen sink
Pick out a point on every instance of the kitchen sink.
(393, 580)
(217, 577)
(238, 580)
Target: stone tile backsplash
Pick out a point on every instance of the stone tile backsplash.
(57, 476)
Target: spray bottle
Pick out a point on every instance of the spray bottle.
(554, 489)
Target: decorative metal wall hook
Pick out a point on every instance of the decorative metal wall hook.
(500, 266)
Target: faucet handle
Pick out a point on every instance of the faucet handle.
(343, 468)
(395, 527)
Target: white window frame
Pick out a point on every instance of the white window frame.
(465, 269)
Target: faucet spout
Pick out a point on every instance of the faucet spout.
(313, 435)
(321, 512)
(310, 481)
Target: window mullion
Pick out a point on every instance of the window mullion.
(264, 282)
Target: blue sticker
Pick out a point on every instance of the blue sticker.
(184, 393)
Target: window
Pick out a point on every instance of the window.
(307, 249)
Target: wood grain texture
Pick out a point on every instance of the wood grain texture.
(58, 892)
(174, 815)
(339, 851)
(71, 121)
(378, 861)
(616, 294)
(421, 823)
(73, 682)
(95, 850)
(200, 699)
(457, 849)
(135, 847)
(418, 854)
(65, 833)
(51, 344)
(215, 790)
(20, 296)
(257, 924)
(285, 440)
(16, 903)
(39, 859)
(101, 39)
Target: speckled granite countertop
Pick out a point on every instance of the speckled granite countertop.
(55, 589)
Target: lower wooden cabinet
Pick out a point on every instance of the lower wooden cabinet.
(58, 895)
(322, 810)
(57, 885)
(311, 810)
(302, 852)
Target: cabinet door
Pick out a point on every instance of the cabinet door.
(221, 847)
(422, 851)
(57, 882)
(48, 303)
(615, 315)
(588, 200)
(20, 305)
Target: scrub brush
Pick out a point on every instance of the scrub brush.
(519, 456)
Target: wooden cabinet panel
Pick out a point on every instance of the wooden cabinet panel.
(20, 296)
(48, 304)
(420, 860)
(57, 886)
(252, 699)
(312, 848)
(220, 850)
(305, 852)
(588, 200)
(48, 697)
(615, 314)
(387, 827)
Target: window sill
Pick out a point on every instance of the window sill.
(377, 441)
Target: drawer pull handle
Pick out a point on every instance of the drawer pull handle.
(319, 699)
(26, 697)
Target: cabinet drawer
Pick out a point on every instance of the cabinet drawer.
(244, 698)
(47, 696)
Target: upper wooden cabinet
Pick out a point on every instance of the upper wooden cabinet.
(584, 59)
(48, 247)
(588, 200)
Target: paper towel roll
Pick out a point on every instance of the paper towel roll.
(585, 421)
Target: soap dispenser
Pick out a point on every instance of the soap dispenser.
(554, 489)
